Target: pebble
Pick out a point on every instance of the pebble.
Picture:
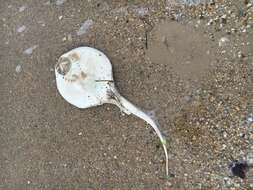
(142, 11)
(85, 27)
(21, 9)
(240, 54)
(168, 184)
(237, 185)
(224, 19)
(69, 37)
(249, 5)
(224, 147)
(223, 41)
(250, 160)
(210, 22)
(59, 2)
(227, 181)
(249, 120)
(21, 29)
(30, 50)
(233, 30)
(18, 69)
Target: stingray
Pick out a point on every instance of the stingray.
(84, 78)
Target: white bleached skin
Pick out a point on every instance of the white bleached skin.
(84, 79)
(85, 84)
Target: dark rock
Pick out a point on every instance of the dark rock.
(239, 168)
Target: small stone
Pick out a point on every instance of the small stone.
(64, 39)
(237, 185)
(187, 98)
(30, 50)
(249, 5)
(80, 133)
(250, 160)
(28, 182)
(47, 3)
(242, 135)
(224, 19)
(223, 41)
(210, 22)
(60, 17)
(168, 184)
(250, 120)
(211, 36)
(224, 147)
(59, 2)
(21, 29)
(141, 11)
(237, 108)
(21, 9)
(18, 69)
(227, 181)
(233, 30)
(85, 27)
(240, 55)
(238, 168)
(69, 37)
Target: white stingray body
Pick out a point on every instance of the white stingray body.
(84, 79)
(85, 84)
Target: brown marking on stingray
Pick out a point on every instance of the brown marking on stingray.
(73, 78)
(63, 65)
(75, 56)
(67, 80)
(83, 75)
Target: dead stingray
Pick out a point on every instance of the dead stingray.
(84, 79)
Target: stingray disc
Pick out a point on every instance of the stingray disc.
(82, 75)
